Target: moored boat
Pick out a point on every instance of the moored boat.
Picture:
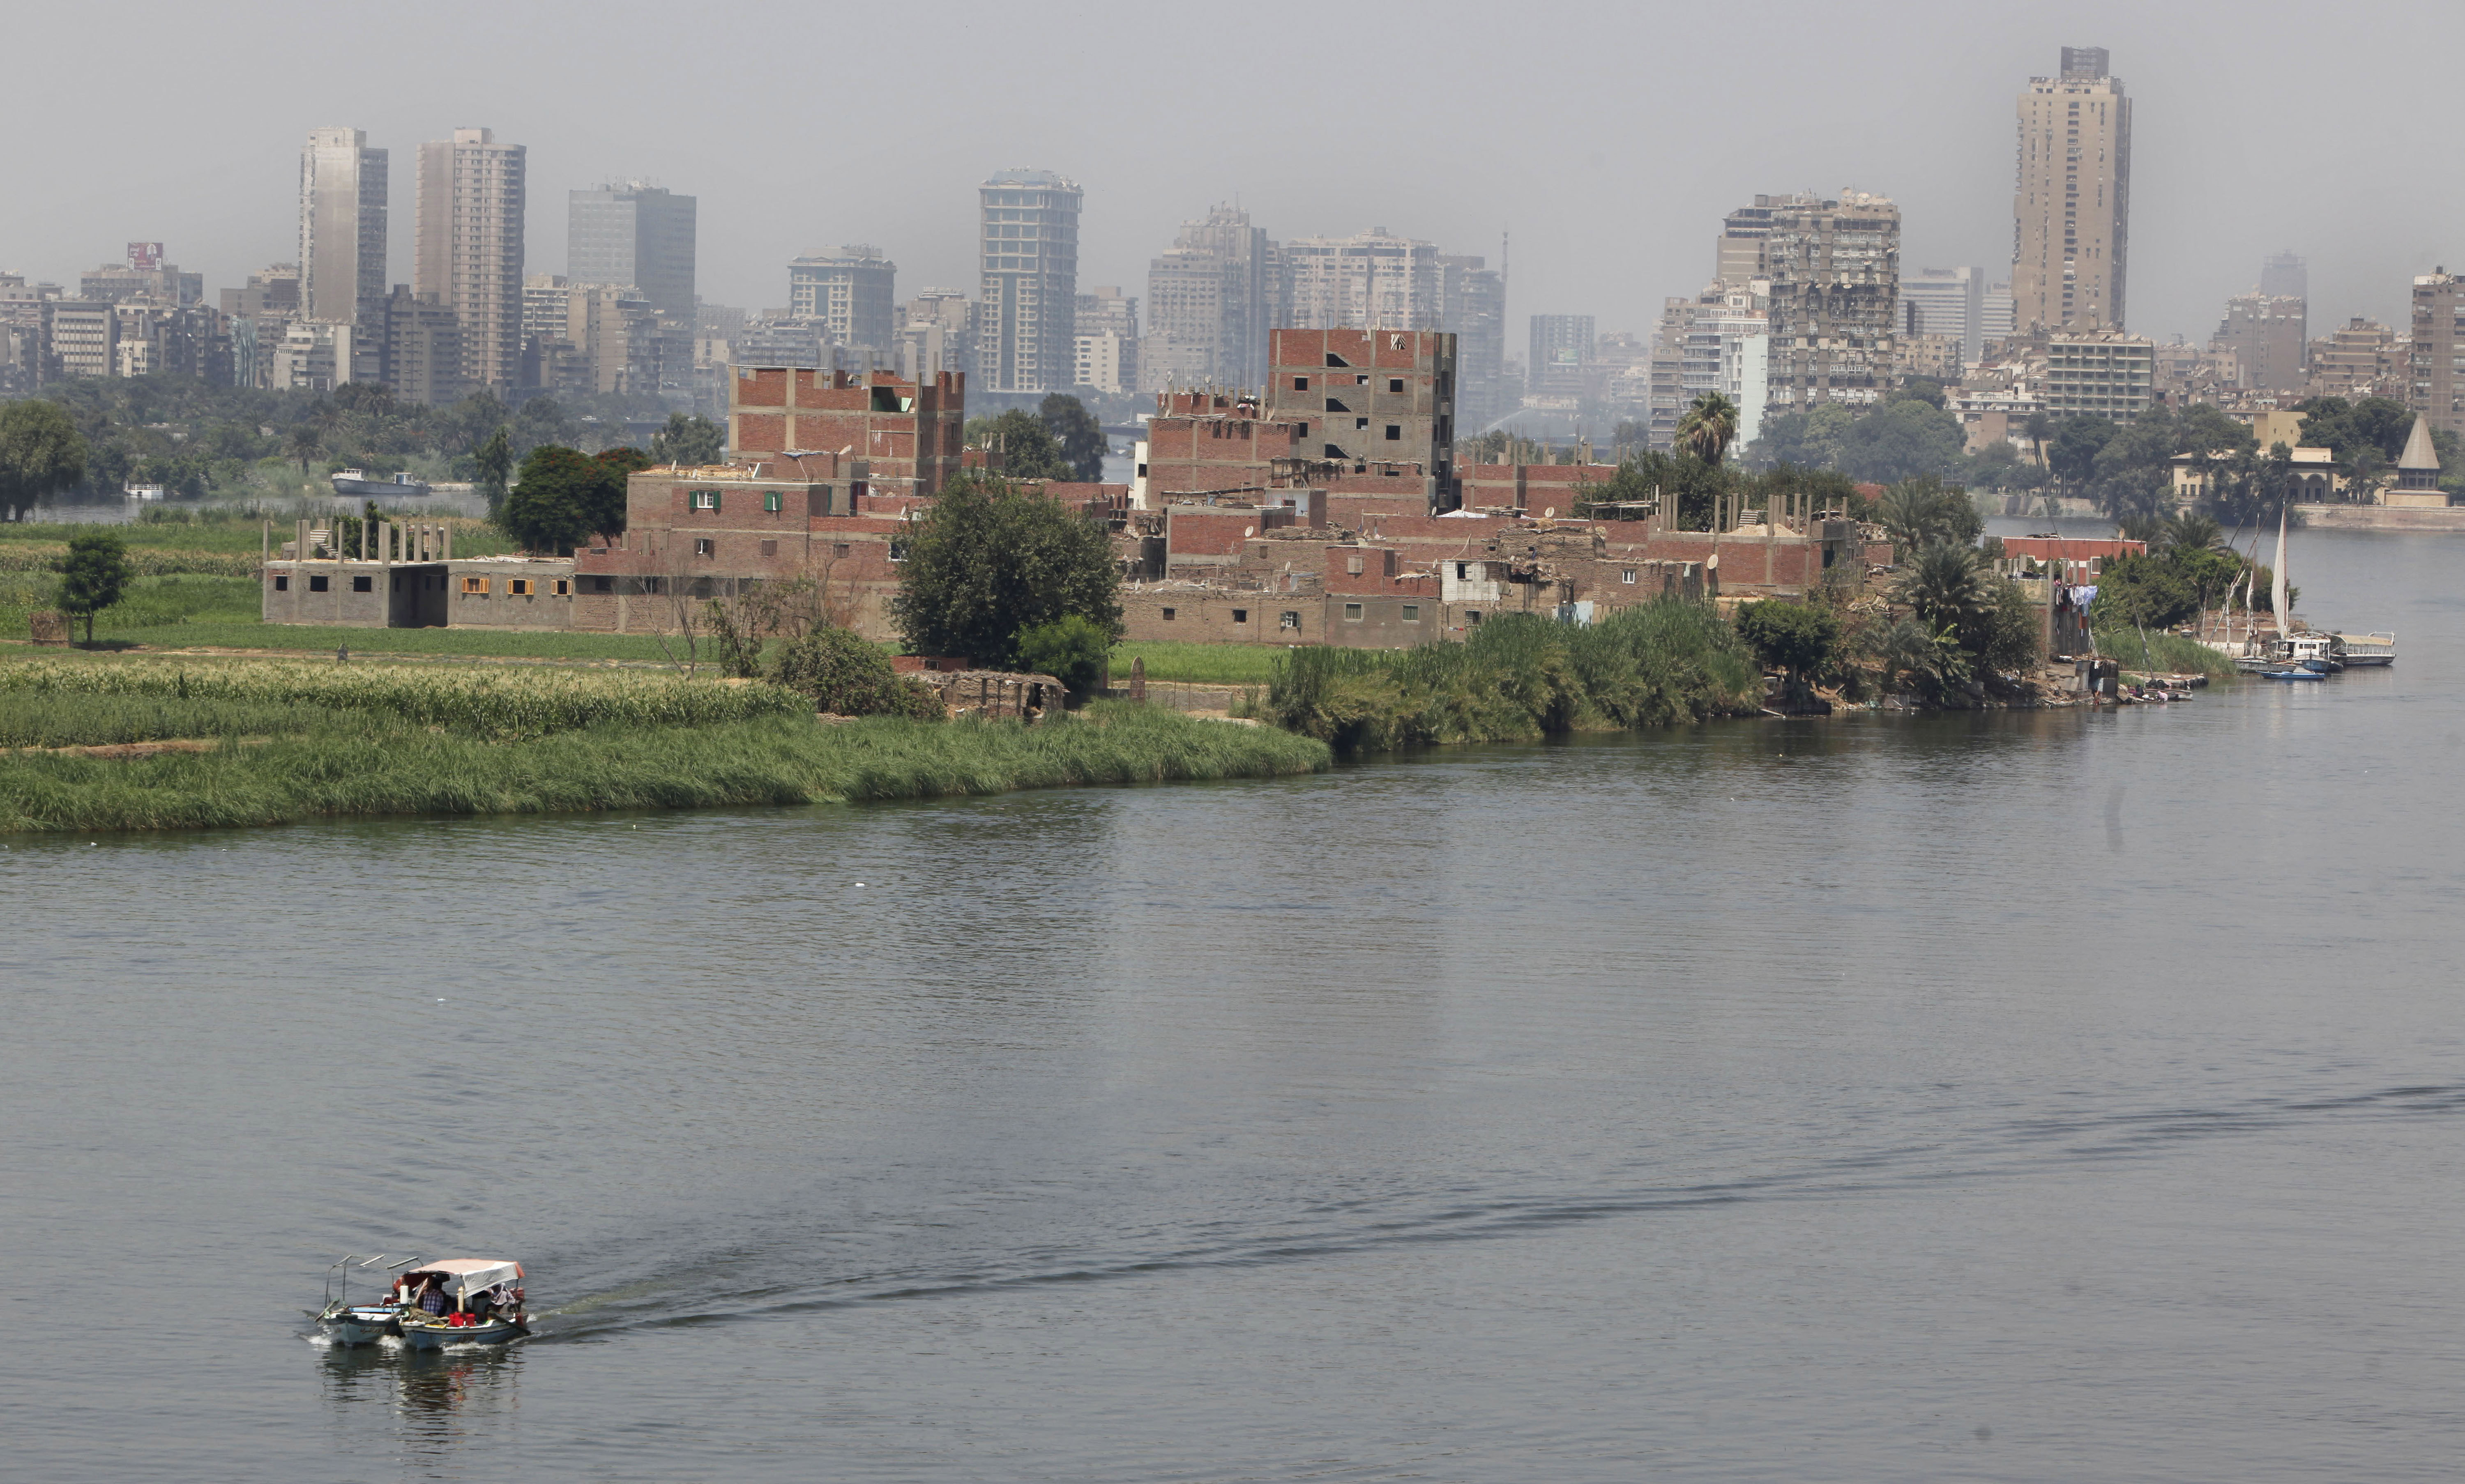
(2296, 673)
(462, 1301)
(2368, 648)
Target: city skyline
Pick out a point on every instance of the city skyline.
(1607, 226)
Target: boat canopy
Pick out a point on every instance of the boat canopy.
(467, 1275)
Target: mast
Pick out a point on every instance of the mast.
(2276, 591)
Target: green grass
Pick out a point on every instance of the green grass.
(51, 720)
(240, 535)
(337, 772)
(311, 638)
(1198, 664)
(2165, 653)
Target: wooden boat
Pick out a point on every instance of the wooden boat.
(2296, 673)
(344, 1322)
(2368, 648)
(460, 1301)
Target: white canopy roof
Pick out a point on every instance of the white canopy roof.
(468, 1276)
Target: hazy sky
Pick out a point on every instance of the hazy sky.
(1609, 139)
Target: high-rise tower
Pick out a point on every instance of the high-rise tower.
(343, 228)
(1027, 323)
(2071, 213)
(633, 234)
(468, 252)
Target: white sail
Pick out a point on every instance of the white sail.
(2277, 598)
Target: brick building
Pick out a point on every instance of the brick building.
(909, 433)
(1368, 396)
(1216, 443)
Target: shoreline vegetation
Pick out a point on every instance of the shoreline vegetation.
(270, 743)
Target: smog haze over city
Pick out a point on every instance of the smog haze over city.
(1607, 140)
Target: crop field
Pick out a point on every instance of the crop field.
(1198, 664)
(498, 702)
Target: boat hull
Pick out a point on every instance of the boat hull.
(356, 1326)
(423, 1334)
(2296, 675)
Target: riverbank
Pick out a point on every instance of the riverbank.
(354, 766)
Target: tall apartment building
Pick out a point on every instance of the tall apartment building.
(2102, 373)
(2265, 335)
(2284, 276)
(81, 337)
(2363, 358)
(1028, 250)
(468, 249)
(1370, 280)
(1562, 353)
(936, 332)
(1997, 314)
(343, 195)
(2071, 213)
(2438, 339)
(1368, 396)
(1472, 307)
(614, 331)
(1946, 301)
(852, 293)
(423, 351)
(1834, 273)
(633, 234)
(1211, 298)
(1106, 341)
(1720, 341)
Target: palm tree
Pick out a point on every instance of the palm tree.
(305, 445)
(1708, 426)
(2191, 531)
(2038, 428)
(1946, 586)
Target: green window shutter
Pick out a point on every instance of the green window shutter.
(771, 502)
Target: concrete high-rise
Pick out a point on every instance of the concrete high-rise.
(2438, 392)
(1211, 298)
(2265, 335)
(630, 235)
(1370, 280)
(2284, 276)
(1562, 351)
(468, 251)
(852, 293)
(1833, 266)
(1946, 301)
(343, 192)
(1028, 305)
(2071, 213)
(1472, 306)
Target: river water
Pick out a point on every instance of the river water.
(2019, 1097)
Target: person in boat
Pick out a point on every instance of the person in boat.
(431, 1297)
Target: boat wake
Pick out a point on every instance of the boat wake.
(1335, 1228)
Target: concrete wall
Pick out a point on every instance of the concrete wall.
(349, 594)
(500, 592)
(1215, 615)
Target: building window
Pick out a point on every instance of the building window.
(282, 584)
(1352, 613)
(1360, 423)
(1301, 384)
(1394, 432)
(602, 585)
(1240, 616)
(317, 585)
(1411, 612)
(1472, 616)
(1464, 571)
(899, 551)
(1291, 618)
(1395, 383)
(1362, 380)
(564, 587)
(1167, 615)
(519, 587)
(705, 499)
(840, 548)
(770, 548)
(475, 586)
(771, 502)
(1352, 565)
(364, 584)
(1626, 574)
(705, 547)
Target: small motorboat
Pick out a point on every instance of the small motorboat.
(344, 1322)
(2294, 675)
(460, 1301)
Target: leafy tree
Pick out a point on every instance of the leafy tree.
(1708, 428)
(1077, 437)
(2039, 427)
(542, 420)
(304, 444)
(849, 675)
(41, 454)
(495, 464)
(1069, 649)
(1931, 661)
(688, 440)
(607, 511)
(373, 397)
(2146, 591)
(989, 561)
(1026, 447)
(1801, 638)
(1949, 589)
(96, 573)
(2191, 531)
(2011, 638)
(553, 507)
(2072, 457)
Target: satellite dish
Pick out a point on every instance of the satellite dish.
(1248, 530)
(1548, 512)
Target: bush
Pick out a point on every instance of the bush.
(850, 677)
(1799, 638)
(1069, 649)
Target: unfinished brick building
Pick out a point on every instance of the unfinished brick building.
(909, 433)
(1369, 396)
